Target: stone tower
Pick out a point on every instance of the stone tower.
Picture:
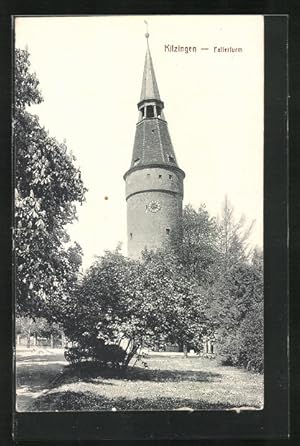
(154, 182)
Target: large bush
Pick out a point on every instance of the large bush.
(94, 349)
(97, 312)
(245, 346)
(131, 305)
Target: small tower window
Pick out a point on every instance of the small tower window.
(159, 176)
(130, 236)
(170, 177)
(171, 159)
(136, 161)
(150, 111)
(158, 111)
(167, 231)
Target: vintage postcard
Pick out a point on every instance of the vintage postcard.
(139, 155)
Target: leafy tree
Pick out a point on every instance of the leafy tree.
(173, 302)
(48, 186)
(252, 328)
(131, 305)
(95, 314)
(233, 238)
(197, 246)
(28, 327)
(216, 254)
(237, 310)
(24, 327)
(251, 350)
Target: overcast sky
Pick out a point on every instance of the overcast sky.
(90, 71)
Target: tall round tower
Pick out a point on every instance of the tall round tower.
(154, 182)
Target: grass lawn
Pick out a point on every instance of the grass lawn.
(168, 383)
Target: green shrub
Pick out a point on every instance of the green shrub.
(244, 347)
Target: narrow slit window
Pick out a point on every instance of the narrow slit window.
(131, 235)
(158, 111)
(167, 231)
(170, 177)
(159, 176)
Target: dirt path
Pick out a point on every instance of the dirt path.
(35, 370)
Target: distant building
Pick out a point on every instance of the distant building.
(154, 182)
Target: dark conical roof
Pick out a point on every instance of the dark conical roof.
(152, 144)
(149, 85)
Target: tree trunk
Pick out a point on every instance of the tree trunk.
(51, 341)
(28, 338)
(130, 356)
(62, 339)
(18, 339)
(185, 352)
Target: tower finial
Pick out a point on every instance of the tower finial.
(147, 33)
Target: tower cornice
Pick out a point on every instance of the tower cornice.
(155, 165)
(164, 191)
(150, 119)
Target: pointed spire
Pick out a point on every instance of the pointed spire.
(152, 145)
(149, 85)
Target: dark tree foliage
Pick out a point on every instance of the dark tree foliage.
(237, 310)
(98, 316)
(216, 254)
(47, 188)
(175, 303)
